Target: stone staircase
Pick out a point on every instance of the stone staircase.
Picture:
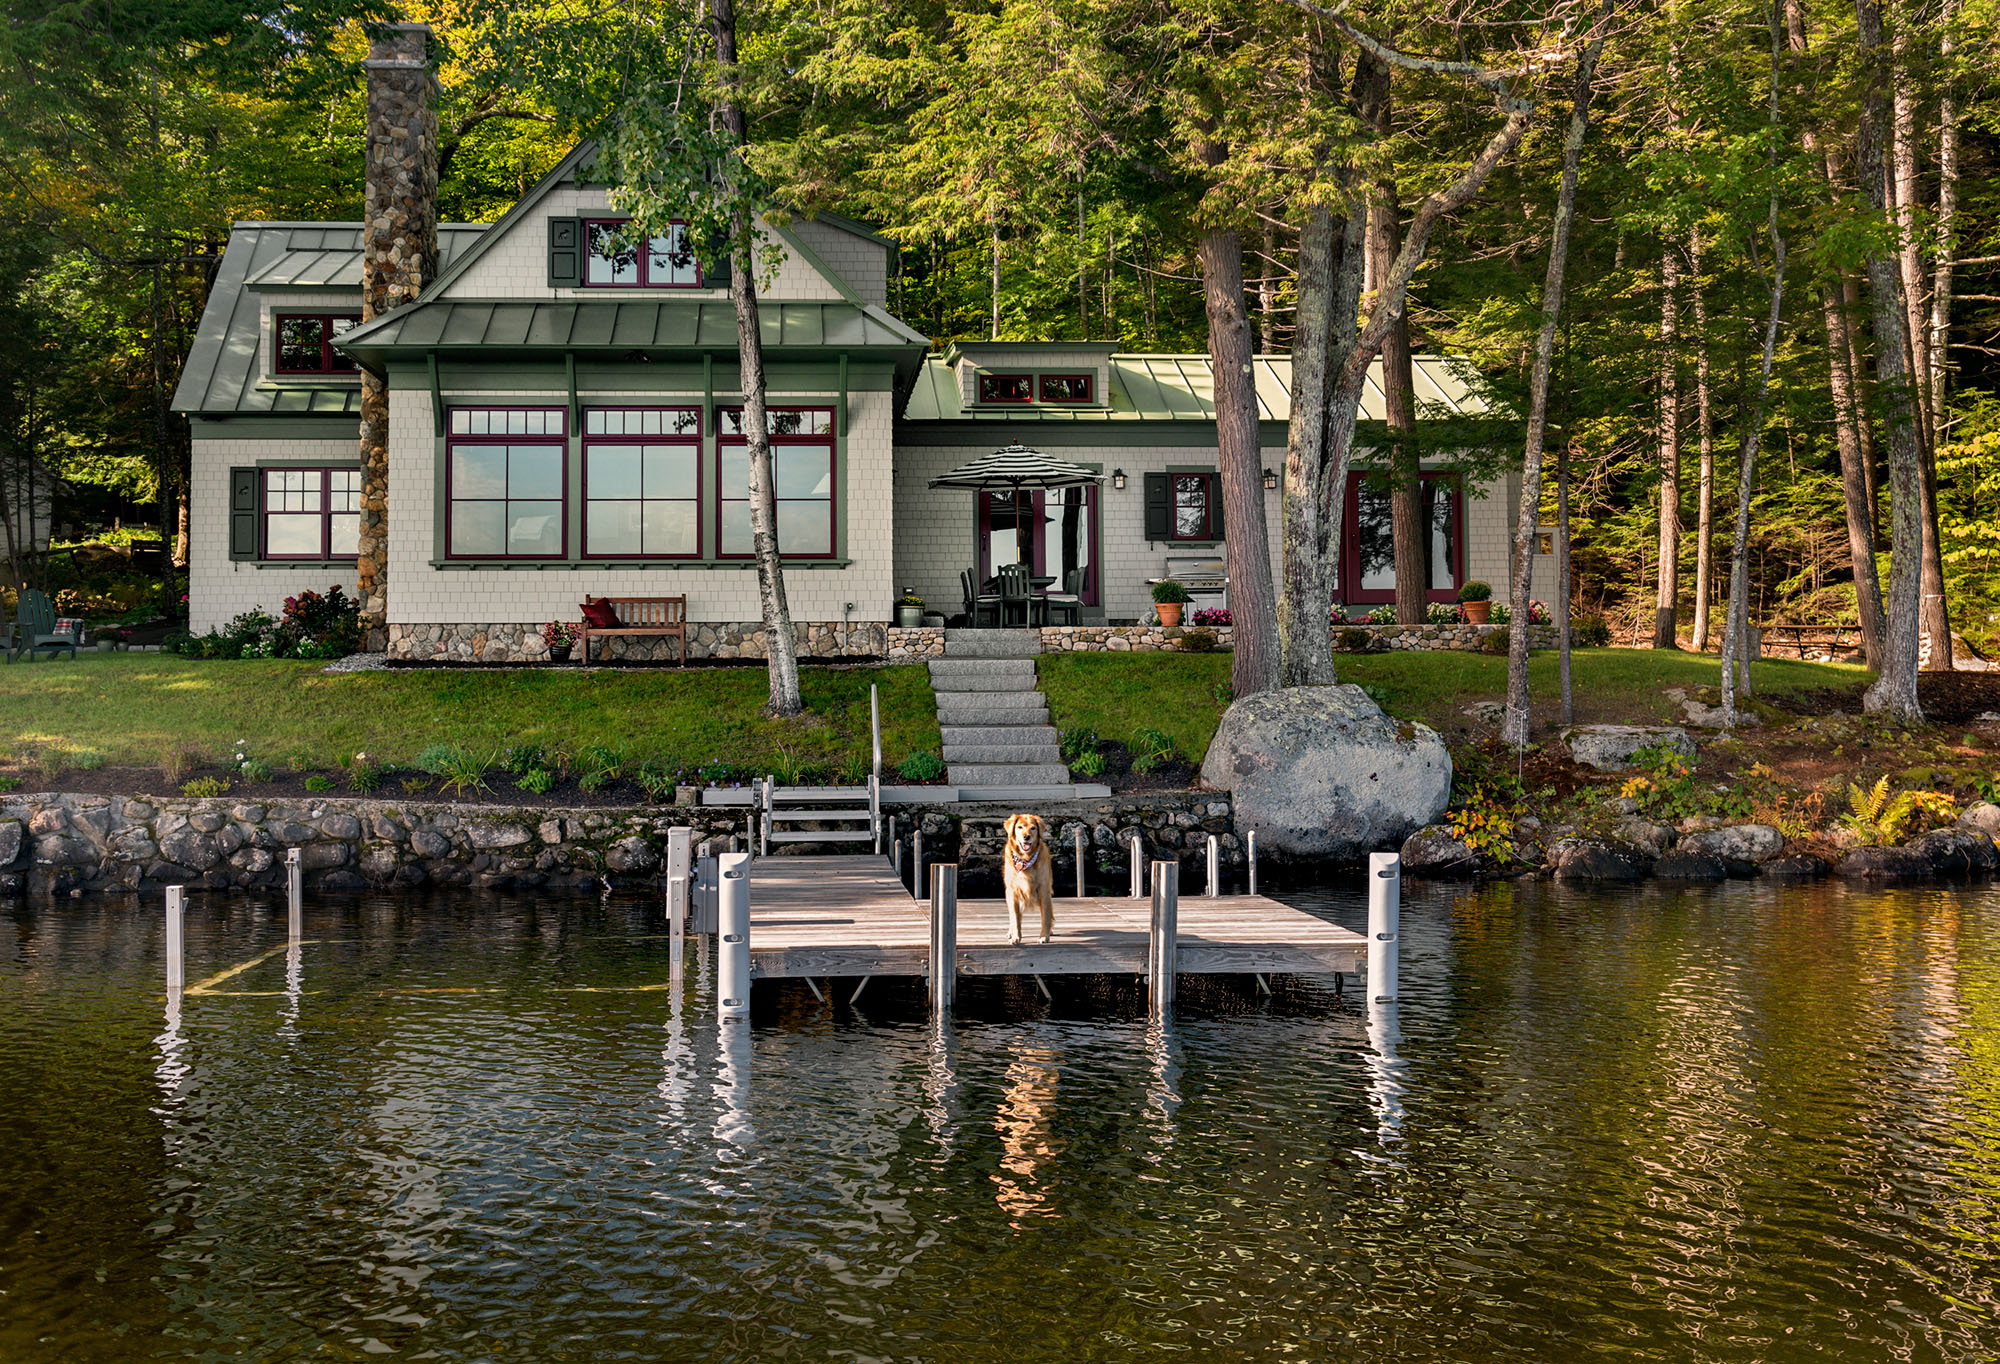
(997, 734)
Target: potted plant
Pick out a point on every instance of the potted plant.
(1168, 599)
(909, 610)
(1477, 599)
(559, 635)
(107, 639)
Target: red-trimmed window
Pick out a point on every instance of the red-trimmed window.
(1196, 499)
(1368, 558)
(305, 342)
(613, 261)
(1006, 388)
(802, 465)
(505, 471)
(311, 513)
(642, 483)
(1068, 388)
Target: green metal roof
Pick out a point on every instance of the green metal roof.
(222, 374)
(559, 326)
(1179, 388)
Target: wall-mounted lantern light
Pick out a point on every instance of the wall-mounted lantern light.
(1270, 480)
(1118, 479)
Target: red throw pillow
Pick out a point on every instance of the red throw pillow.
(598, 613)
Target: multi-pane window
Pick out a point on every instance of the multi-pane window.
(311, 513)
(642, 482)
(1371, 563)
(802, 468)
(1006, 388)
(305, 342)
(614, 260)
(1195, 497)
(504, 475)
(1068, 388)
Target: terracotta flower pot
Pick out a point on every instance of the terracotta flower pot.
(1170, 613)
(1477, 611)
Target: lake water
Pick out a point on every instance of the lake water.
(1742, 1123)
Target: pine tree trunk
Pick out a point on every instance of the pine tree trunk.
(780, 646)
(1307, 523)
(1666, 599)
(1704, 535)
(1907, 193)
(1240, 458)
(1514, 725)
(1563, 583)
(1895, 689)
(1946, 247)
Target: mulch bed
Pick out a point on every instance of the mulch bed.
(1955, 698)
(1178, 775)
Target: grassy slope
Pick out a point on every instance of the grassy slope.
(1116, 694)
(133, 707)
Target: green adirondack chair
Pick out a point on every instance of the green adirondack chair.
(35, 628)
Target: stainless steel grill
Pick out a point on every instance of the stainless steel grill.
(1204, 576)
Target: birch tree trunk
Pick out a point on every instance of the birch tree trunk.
(1895, 689)
(1514, 725)
(780, 648)
(1704, 534)
(1851, 310)
(1666, 600)
(1946, 240)
(1246, 550)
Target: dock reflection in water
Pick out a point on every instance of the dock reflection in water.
(1735, 1124)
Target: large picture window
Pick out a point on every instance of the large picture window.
(305, 342)
(642, 483)
(612, 260)
(1368, 568)
(504, 476)
(311, 513)
(802, 464)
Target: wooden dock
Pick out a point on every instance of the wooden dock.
(851, 916)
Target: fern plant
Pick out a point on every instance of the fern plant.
(1876, 817)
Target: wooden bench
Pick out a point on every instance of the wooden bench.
(1769, 638)
(642, 616)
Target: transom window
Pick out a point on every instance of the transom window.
(504, 475)
(1195, 497)
(802, 467)
(1068, 388)
(305, 342)
(611, 260)
(642, 482)
(311, 513)
(1006, 388)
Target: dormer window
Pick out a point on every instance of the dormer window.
(1069, 388)
(612, 260)
(305, 342)
(1006, 388)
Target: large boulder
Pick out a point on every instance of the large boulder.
(1609, 748)
(1432, 851)
(1956, 852)
(1738, 842)
(1691, 866)
(1590, 859)
(1322, 772)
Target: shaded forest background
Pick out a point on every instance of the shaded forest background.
(1035, 159)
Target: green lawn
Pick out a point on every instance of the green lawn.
(133, 708)
(1117, 694)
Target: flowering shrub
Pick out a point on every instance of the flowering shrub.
(1212, 616)
(1384, 614)
(320, 626)
(1444, 613)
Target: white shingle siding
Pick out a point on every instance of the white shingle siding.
(1029, 361)
(422, 594)
(515, 263)
(862, 263)
(220, 588)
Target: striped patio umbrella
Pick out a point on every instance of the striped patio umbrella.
(1015, 468)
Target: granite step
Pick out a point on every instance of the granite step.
(955, 754)
(1009, 774)
(964, 644)
(998, 734)
(983, 674)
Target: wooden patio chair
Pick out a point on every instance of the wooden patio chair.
(1069, 601)
(1017, 590)
(978, 604)
(35, 628)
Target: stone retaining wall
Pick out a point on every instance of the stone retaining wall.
(522, 643)
(1459, 636)
(55, 843)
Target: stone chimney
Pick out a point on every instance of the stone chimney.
(398, 261)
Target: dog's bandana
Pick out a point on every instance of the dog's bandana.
(1024, 865)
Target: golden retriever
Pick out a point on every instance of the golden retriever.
(1027, 868)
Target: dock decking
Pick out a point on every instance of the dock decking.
(850, 916)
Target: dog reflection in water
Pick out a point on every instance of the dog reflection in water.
(1026, 1144)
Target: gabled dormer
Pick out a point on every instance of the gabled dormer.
(998, 376)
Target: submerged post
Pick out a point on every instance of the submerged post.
(1163, 945)
(944, 937)
(295, 891)
(1079, 861)
(1214, 886)
(176, 970)
(1253, 861)
(732, 986)
(1138, 868)
(1385, 912)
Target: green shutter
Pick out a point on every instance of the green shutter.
(243, 514)
(716, 271)
(1159, 507)
(565, 253)
(1215, 505)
